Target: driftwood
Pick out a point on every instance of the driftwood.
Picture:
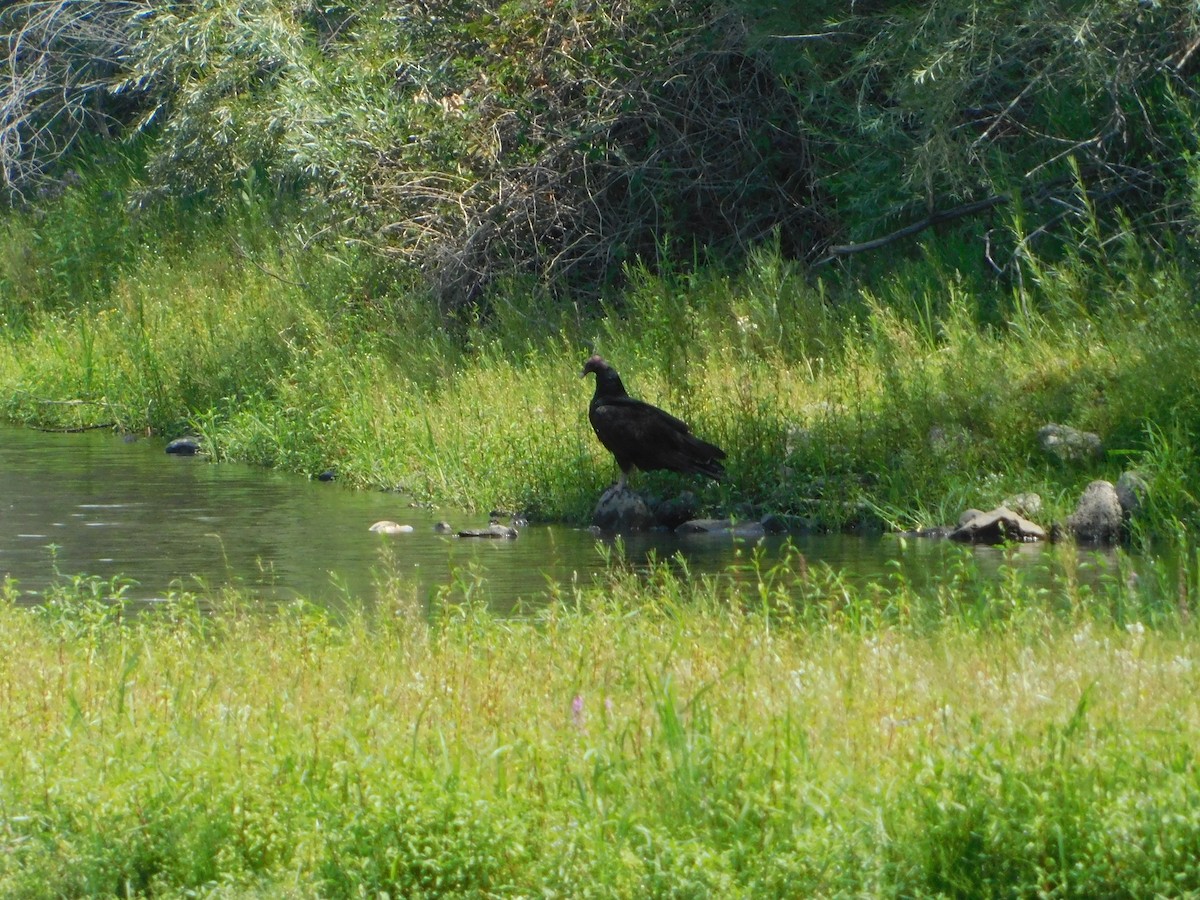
(74, 402)
(78, 429)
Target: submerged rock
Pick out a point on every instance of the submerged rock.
(722, 526)
(936, 532)
(184, 446)
(494, 530)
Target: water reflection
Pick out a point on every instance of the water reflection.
(93, 503)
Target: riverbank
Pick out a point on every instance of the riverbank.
(888, 401)
(661, 734)
(328, 239)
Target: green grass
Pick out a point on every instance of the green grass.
(893, 402)
(781, 733)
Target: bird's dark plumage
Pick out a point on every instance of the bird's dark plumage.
(643, 436)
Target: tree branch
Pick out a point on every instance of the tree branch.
(947, 215)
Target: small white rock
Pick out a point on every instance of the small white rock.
(387, 527)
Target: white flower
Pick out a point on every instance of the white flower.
(745, 325)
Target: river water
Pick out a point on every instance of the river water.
(96, 504)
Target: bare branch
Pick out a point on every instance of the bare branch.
(58, 60)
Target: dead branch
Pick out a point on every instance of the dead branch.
(946, 215)
(702, 145)
(58, 59)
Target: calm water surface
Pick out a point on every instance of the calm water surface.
(95, 504)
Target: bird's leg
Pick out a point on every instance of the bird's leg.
(621, 482)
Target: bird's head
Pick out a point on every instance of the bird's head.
(595, 364)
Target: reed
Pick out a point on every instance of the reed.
(887, 402)
(775, 730)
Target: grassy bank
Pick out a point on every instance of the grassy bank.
(650, 737)
(383, 238)
(892, 399)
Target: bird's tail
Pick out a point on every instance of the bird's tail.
(704, 458)
(711, 468)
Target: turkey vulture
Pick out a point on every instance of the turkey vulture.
(641, 435)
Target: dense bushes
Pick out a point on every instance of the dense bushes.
(476, 141)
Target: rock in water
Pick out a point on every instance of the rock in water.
(673, 513)
(388, 527)
(495, 530)
(184, 446)
(999, 526)
(748, 529)
(620, 509)
(1098, 517)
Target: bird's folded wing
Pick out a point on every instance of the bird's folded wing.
(638, 414)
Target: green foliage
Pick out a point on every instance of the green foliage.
(768, 731)
(919, 105)
(774, 731)
(888, 391)
(238, 89)
(895, 402)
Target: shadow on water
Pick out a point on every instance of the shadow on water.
(93, 503)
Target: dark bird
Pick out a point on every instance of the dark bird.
(643, 436)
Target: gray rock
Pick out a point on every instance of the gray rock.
(1027, 504)
(495, 530)
(968, 515)
(1098, 517)
(184, 446)
(1067, 444)
(620, 509)
(936, 532)
(704, 526)
(999, 526)
(722, 526)
(1132, 490)
(749, 530)
(673, 513)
